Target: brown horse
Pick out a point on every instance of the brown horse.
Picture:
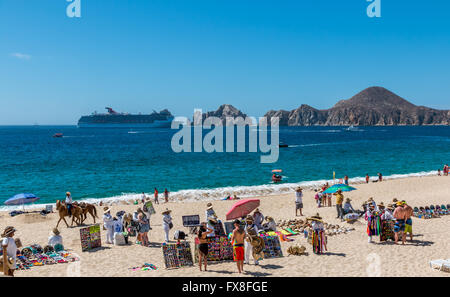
(63, 212)
(88, 208)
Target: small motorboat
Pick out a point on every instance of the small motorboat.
(58, 135)
(283, 145)
(276, 175)
(352, 128)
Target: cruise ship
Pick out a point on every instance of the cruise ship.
(113, 119)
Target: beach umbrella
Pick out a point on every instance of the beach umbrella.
(22, 199)
(242, 208)
(335, 188)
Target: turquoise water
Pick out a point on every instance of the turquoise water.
(105, 163)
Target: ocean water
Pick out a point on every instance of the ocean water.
(119, 164)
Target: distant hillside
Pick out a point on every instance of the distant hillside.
(374, 106)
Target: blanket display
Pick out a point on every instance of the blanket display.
(177, 255)
(272, 247)
(28, 260)
(145, 267)
(219, 249)
(90, 238)
(387, 230)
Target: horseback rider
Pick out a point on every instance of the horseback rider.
(69, 203)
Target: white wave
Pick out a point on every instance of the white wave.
(240, 191)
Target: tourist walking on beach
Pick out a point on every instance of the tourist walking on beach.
(156, 196)
(203, 246)
(446, 169)
(339, 201)
(367, 178)
(108, 223)
(380, 177)
(346, 180)
(408, 219)
(167, 223)
(143, 198)
(166, 195)
(237, 239)
(298, 201)
(399, 227)
(9, 248)
(69, 203)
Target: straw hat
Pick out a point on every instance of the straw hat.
(315, 217)
(8, 230)
(209, 205)
(298, 189)
(68, 194)
(370, 199)
(269, 218)
(167, 211)
(348, 200)
(249, 218)
(381, 205)
(394, 200)
(257, 211)
(56, 231)
(106, 209)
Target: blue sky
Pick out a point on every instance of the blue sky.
(183, 54)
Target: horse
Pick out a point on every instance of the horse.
(88, 208)
(63, 212)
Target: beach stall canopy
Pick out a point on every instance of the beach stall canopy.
(21, 199)
(242, 208)
(337, 187)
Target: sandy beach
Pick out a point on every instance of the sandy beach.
(348, 254)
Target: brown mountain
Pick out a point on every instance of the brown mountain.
(371, 107)
(224, 111)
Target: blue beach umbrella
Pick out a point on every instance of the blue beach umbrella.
(22, 199)
(335, 188)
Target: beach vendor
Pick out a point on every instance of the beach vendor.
(258, 219)
(298, 201)
(55, 238)
(108, 223)
(148, 214)
(203, 245)
(270, 225)
(373, 219)
(166, 195)
(348, 208)
(237, 238)
(318, 237)
(400, 217)
(9, 248)
(387, 222)
(339, 201)
(156, 196)
(211, 219)
(408, 219)
(167, 223)
(69, 203)
(250, 227)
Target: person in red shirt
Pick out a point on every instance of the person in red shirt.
(367, 178)
(156, 196)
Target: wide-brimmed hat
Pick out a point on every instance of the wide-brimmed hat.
(403, 202)
(209, 205)
(381, 204)
(348, 200)
(257, 211)
(315, 217)
(249, 218)
(391, 206)
(298, 189)
(394, 200)
(106, 209)
(166, 211)
(68, 193)
(8, 230)
(269, 218)
(56, 231)
(399, 203)
(370, 199)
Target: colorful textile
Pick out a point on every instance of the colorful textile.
(319, 241)
(387, 230)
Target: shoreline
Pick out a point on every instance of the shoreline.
(217, 194)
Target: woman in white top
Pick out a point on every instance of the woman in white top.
(55, 238)
(167, 223)
(9, 251)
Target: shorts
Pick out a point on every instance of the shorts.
(408, 226)
(238, 253)
(298, 205)
(399, 226)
